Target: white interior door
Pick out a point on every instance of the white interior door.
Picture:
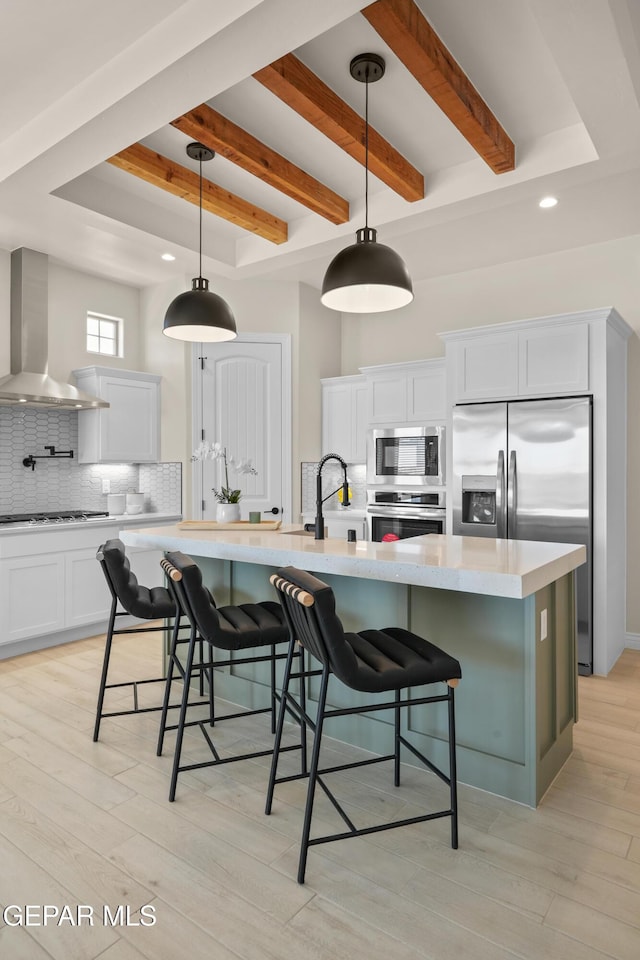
(244, 390)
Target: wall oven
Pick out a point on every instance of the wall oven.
(400, 514)
(405, 456)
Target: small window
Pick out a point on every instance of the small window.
(104, 335)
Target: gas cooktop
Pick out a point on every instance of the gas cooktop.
(57, 516)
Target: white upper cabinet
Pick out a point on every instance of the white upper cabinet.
(537, 358)
(128, 431)
(406, 392)
(387, 397)
(486, 367)
(426, 393)
(344, 417)
(554, 359)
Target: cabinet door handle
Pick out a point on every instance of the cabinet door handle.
(273, 510)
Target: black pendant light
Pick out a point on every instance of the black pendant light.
(366, 277)
(199, 315)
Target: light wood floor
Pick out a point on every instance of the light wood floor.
(90, 824)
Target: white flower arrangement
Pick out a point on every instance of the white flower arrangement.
(215, 451)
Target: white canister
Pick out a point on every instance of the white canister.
(116, 504)
(135, 502)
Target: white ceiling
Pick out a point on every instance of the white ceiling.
(82, 80)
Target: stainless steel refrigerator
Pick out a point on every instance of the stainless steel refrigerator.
(522, 470)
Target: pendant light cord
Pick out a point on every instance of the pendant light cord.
(200, 267)
(366, 148)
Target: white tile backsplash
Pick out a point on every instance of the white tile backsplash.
(63, 483)
(331, 480)
(162, 485)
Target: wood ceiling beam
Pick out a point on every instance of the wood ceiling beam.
(405, 30)
(182, 182)
(232, 142)
(297, 86)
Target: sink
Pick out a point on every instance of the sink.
(299, 533)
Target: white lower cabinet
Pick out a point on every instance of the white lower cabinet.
(32, 594)
(337, 527)
(87, 597)
(146, 565)
(52, 582)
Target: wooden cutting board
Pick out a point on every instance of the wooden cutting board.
(237, 525)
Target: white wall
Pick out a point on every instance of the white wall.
(5, 302)
(318, 357)
(170, 359)
(71, 295)
(600, 275)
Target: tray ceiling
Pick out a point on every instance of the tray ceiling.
(107, 95)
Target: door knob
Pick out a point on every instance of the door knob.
(274, 511)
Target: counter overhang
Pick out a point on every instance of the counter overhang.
(500, 568)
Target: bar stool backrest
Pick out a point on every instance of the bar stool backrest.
(194, 598)
(121, 580)
(310, 609)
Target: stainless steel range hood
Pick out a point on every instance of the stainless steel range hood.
(29, 383)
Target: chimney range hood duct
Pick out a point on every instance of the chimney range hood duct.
(29, 383)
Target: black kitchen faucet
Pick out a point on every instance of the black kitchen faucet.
(319, 523)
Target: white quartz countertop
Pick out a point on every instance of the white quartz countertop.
(10, 529)
(500, 568)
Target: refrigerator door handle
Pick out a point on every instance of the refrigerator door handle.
(501, 506)
(512, 497)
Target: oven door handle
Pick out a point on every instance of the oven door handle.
(423, 513)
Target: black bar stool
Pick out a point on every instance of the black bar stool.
(144, 603)
(375, 661)
(230, 628)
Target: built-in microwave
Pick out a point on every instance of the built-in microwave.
(405, 456)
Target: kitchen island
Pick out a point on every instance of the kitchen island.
(504, 608)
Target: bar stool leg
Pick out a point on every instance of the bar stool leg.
(105, 669)
(453, 776)
(313, 775)
(183, 715)
(173, 655)
(279, 727)
(209, 670)
(396, 741)
(302, 693)
(273, 688)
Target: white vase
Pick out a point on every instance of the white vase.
(227, 512)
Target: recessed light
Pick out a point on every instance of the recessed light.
(547, 202)
(168, 256)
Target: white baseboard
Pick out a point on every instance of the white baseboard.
(632, 640)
